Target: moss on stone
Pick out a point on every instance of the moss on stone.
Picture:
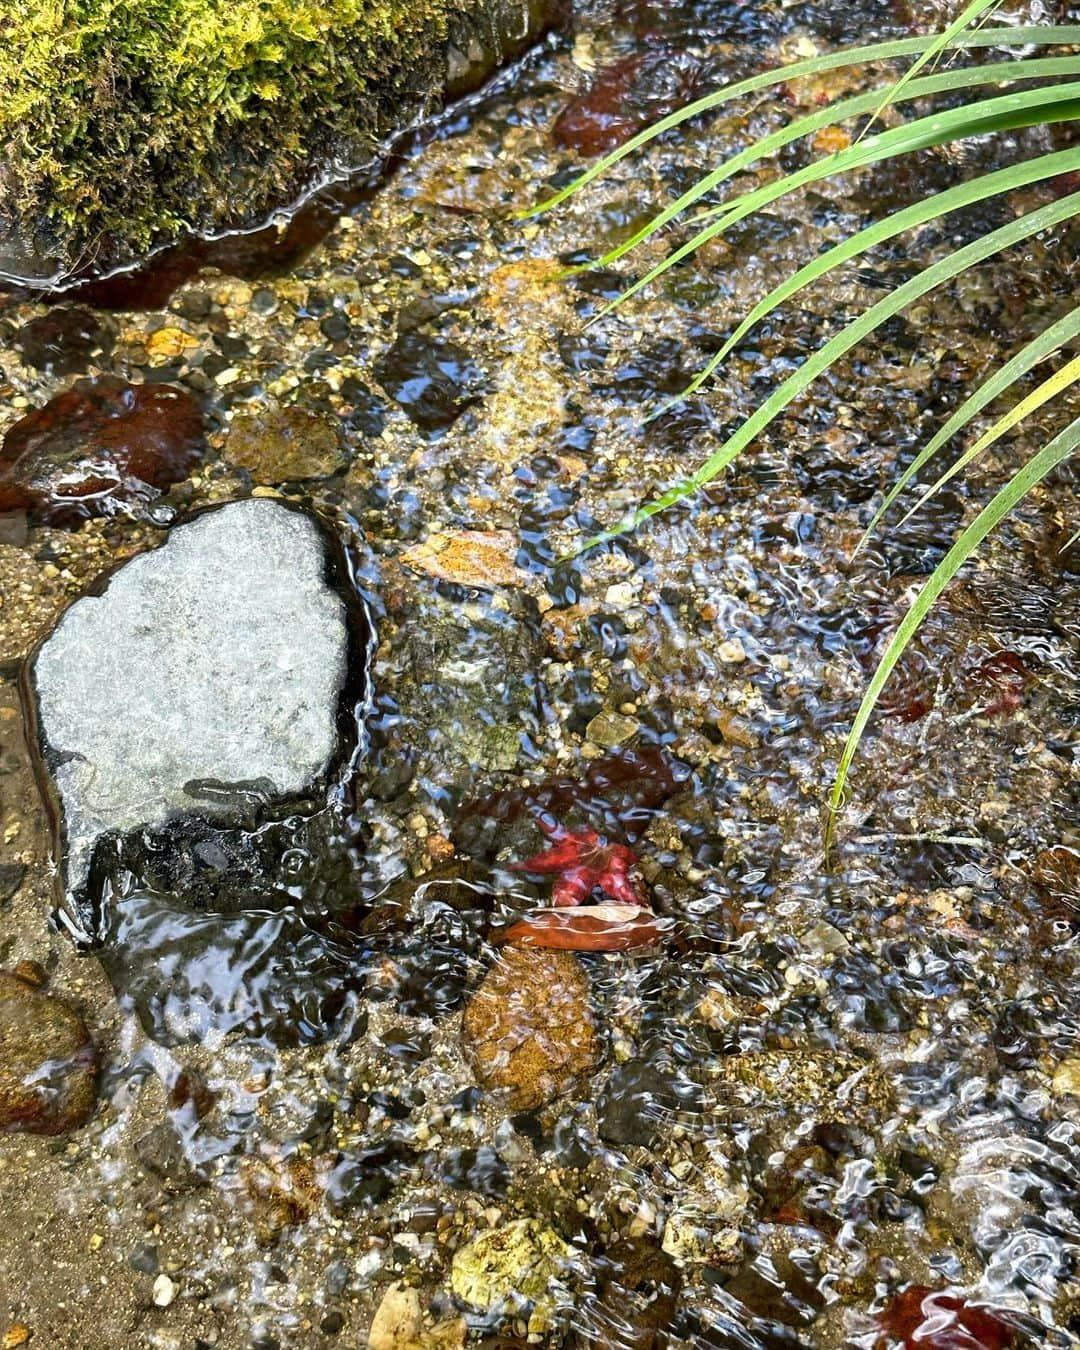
(128, 122)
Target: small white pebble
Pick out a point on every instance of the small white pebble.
(620, 595)
(164, 1291)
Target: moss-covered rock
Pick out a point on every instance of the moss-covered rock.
(515, 1267)
(128, 123)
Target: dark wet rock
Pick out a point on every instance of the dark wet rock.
(463, 678)
(924, 1319)
(187, 975)
(281, 445)
(619, 793)
(208, 678)
(472, 1169)
(570, 1145)
(48, 1063)
(529, 1031)
(639, 1102)
(432, 379)
(360, 1180)
(365, 412)
(100, 447)
(638, 1289)
(64, 340)
(435, 926)
(778, 1289)
(190, 1094)
(630, 94)
(11, 877)
(160, 1151)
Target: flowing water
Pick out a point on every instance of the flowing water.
(830, 1106)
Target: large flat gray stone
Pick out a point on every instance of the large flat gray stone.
(216, 660)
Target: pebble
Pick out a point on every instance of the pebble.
(510, 1268)
(282, 445)
(731, 651)
(528, 1031)
(609, 730)
(164, 1291)
(398, 1321)
(1066, 1080)
(48, 1063)
(620, 595)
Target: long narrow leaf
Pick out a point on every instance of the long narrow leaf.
(1052, 339)
(967, 16)
(1013, 492)
(855, 332)
(1036, 35)
(946, 82)
(1008, 112)
(1061, 380)
(919, 213)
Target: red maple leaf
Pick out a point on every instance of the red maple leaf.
(584, 863)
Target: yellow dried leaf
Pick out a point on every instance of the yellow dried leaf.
(480, 558)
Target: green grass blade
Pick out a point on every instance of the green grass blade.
(967, 16)
(919, 213)
(1004, 113)
(1050, 388)
(946, 82)
(1014, 491)
(1038, 349)
(1030, 35)
(850, 336)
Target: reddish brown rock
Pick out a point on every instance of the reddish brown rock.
(528, 1031)
(924, 1319)
(48, 1063)
(99, 447)
(631, 94)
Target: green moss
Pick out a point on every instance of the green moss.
(126, 122)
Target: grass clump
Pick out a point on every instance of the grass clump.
(1038, 86)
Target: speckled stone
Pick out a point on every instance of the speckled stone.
(218, 659)
(528, 1031)
(513, 1267)
(48, 1063)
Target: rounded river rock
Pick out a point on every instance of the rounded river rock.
(48, 1063)
(529, 1030)
(211, 666)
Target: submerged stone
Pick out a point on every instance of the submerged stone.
(48, 1063)
(64, 340)
(282, 445)
(432, 379)
(100, 447)
(209, 678)
(517, 1267)
(529, 1030)
(190, 977)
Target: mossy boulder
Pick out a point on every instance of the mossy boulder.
(127, 124)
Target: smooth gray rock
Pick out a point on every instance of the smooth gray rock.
(214, 662)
